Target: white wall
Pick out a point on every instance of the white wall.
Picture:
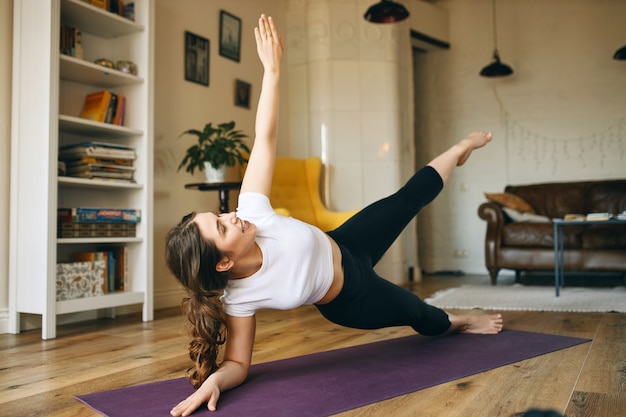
(181, 105)
(560, 117)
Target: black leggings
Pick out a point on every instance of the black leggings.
(366, 300)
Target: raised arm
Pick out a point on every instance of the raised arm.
(258, 176)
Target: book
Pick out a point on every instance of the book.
(78, 44)
(96, 105)
(121, 268)
(91, 229)
(101, 171)
(119, 112)
(574, 217)
(98, 214)
(96, 150)
(111, 270)
(83, 160)
(103, 4)
(598, 216)
(110, 115)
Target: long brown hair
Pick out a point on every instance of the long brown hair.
(192, 260)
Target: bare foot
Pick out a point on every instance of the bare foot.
(473, 141)
(483, 324)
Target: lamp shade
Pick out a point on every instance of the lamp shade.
(496, 68)
(620, 54)
(386, 11)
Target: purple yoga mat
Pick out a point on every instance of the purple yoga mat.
(330, 382)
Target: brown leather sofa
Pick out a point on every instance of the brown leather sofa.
(528, 243)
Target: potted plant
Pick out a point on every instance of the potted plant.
(216, 148)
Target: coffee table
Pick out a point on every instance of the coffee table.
(559, 264)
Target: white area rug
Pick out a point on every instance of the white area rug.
(531, 298)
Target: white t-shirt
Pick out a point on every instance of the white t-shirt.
(297, 262)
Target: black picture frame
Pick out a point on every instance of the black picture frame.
(242, 94)
(197, 58)
(230, 36)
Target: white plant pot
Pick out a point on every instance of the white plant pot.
(212, 174)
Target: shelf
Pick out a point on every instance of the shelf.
(98, 240)
(72, 124)
(103, 301)
(94, 20)
(55, 92)
(85, 72)
(74, 182)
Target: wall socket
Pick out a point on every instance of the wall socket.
(460, 253)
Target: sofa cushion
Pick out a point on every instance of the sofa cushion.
(521, 216)
(539, 235)
(606, 236)
(511, 201)
(606, 197)
(554, 200)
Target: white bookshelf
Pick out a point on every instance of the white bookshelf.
(48, 93)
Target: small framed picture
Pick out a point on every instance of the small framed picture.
(242, 94)
(230, 36)
(196, 59)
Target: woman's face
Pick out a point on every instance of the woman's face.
(231, 235)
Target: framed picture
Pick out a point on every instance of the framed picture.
(196, 59)
(242, 94)
(230, 36)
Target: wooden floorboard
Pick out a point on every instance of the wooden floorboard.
(41, 378)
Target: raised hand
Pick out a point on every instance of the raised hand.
(269, 44)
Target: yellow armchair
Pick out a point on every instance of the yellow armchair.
(296, 193)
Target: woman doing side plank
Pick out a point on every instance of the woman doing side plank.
(234, 264)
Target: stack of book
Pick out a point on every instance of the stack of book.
(97, 160)
(81, 222)
(71, 41)
(104, 107)
(115, 261)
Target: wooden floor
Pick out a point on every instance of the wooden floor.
(40, 378)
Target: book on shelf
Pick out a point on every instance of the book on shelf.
(111, 109)
(98, 214)
(102, 4)
(116, 277)
(101, 171)
(118, 119)
(83, 160)
(121, 268)
(96, 105)
(90, 229)
(104, 107)
(71, 41)
(96, 150)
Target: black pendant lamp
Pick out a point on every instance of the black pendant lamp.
(386, 11)
(496, 68)
(620, 54)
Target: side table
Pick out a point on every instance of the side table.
(559, 262)
(222, 187)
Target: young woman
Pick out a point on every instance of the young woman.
(233, 264)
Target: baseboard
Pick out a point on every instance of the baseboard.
(168, 298)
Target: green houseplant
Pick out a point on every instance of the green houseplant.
(219, 147)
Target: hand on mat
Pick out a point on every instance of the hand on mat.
(208, 392)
